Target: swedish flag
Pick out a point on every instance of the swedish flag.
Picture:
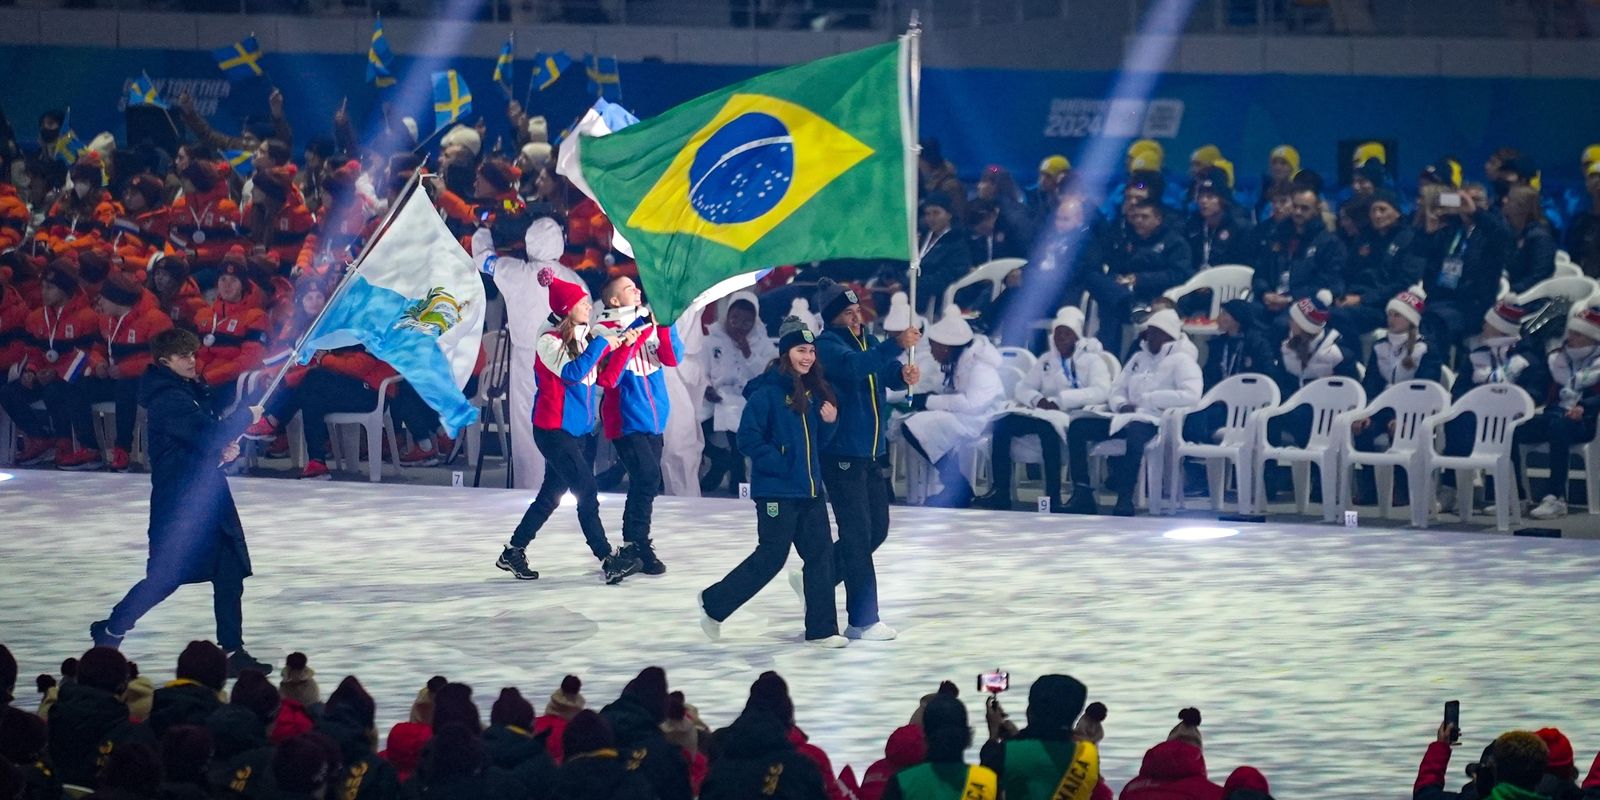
(240, 60)
(242, 161)
(804, 164)
(379, 57)
(452, 99)
(67, 146)
(604, 80)
(142, 92)
(502, 64)
(548, 67)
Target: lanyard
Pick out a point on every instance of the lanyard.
(1230, 357)
(53, 324)
(1072, 374)
(206, 212)
(1457, 245)
(111, 341)
(932, 240)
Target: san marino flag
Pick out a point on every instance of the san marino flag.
(414, 301)
(803, 164)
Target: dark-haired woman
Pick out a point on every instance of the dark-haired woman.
(789, 411)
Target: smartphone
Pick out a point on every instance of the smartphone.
(1452, 717)
(1449, 199)
(994, 682)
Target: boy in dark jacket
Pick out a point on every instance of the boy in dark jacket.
(348, 719)
(593, 769)
(241, 765)
(757, 757)
(195, 532)
(196, 692)
(635, 719)
(89, 713)
(517, 764)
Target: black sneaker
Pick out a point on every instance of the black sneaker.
(615, 567)
(994, 501)
(1082, 501)
(648, 563)
(1124, 506)
(239, 661)
(515, 561)
(101, 633)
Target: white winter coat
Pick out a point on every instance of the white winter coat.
(1575, 372)
(728, 370)
(1325, 357)
(1490, 361)
(1153, 383)
(1072, 383)
(682, 441)
(960, 413)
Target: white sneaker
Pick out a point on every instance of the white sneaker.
(797, 582)
(833, 642)
(876, 632)
(1551, 507)
(711, 627)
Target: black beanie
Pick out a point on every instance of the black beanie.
(1055, 702)
(103, 668)
(119, 291)
(1386, 195)
(511, 708)
(205, 664)
(771, 694)
(22, 736)
(832, 298)
(586, 732)
(452, 705)
(254, 692)
(793, 332)
(63, 280)
(352, 695)
(649, 689)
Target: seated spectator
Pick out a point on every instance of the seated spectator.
(196, 693)
(943, 249)
(1074, 375)
(1571, 400)
(1218, 232)
(593, 770)
(936, 175)
(233, 333)
(88, 713)
(990, 235)
(1240, 346)
(758, 754)
(734, 354)
(305, 767)
(1283, 162)
(945, 773)
(242, 762)
(1175, 768)
(955, 414)
(204, 219)
(349, 721)
(564, 704)
(1153, 259)
(1560, 781)
(140, 234)
(1163, 374)
(996, 185)
(59, 335)
(130, 772)
(1313, 350)
(1054, 174)
(905, 748)
(1520, 759)
(1499, 354)
(1068, 249)
(1032, 763)
(23, 745)
(635, 720)
(1302, 258)
(1535, 256)
(1246, 783)
(1381, 265)
(1583, 236)
(1464, 249)
(176, 294)
(298, 682)
(129, 317)
(1277, 203)
(186, 752)
(517, 764)
(1400, 354)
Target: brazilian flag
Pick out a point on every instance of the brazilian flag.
(803, 164)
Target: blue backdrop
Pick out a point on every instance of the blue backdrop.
(1012, 118)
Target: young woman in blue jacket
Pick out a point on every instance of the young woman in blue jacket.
(789, 414)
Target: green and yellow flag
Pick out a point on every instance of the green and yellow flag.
(803, 164)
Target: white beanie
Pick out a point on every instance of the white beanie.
(1506, 317)
(103, 144)
(1409, 303)
(952, 329)
(538, 130)
(410, 124)
(464, 136)
(1166, 320)
(1585, 321)
(747, 297)
(899, 316)
(537, 154)
(1071, 318)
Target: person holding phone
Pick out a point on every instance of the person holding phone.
(789, 415)
(1463, 249)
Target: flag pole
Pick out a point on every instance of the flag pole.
(259, 408)
(911, 59)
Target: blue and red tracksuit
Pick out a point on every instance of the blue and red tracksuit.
(636, 388)
(565, 398)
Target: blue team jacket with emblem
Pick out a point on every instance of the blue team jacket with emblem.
(785, 448)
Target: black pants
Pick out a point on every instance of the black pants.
(123, 391)
(566, 467)
(18, 402)
(1366, 484)
(1012, 426)
(858, 489)
(325, 392)
(641, 457)
(1115, 302)
(1553, 428)
(1124, 469)
(724, 461)
(780, 523)
(227, 593)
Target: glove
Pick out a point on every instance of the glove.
(919, 402)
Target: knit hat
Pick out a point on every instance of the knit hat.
(899, 316)
(1143, 163)
(1214, 180)
(497, 173)
(536, 153)
(205, 664)
(1150, 149)
(1246, 779)
(1166, 320)
(61, 279)
(140, 696)
(254, 692)
(150, 188)
(793, 332)
(1591, 155)
(1205, 154)
(93, 266)
(1054, 703)
(538, 130)
(1594, 169)
(567, 701)
(1506, 317)
(1585, 321)
(233, 262)
(770, 693)
(1287, 153)
(452, 705)
(275, 182)
(1374, 171)
(1241, 310)
(564, 296)
(649, 689)
(1089, 727)
(352, 695)
(464, 136)
(176, 266)
(586, 733)
(510, 708)
(833, 298)
(119, 290)
(1368, 151)
(1054, 165)
(1387, 196)
(1409, 304)
(1445, 171)
(939, 199)
(1188, 727)
(1071, 318)
(1560, 748)
(952, 329)
(1227, 169)
(404, 748)
(23, 736)
(943, 711)
(1311, 313)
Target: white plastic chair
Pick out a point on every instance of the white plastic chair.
(347, 430)
(1327, 398)
(1243, 397)
(1447, 376)
(1150, 488)
(1567, 269)
(1226, 282)
(1572, 288)
(104, 415)
(1413, 402)
(491, 411)
(8, 440)
(1018, 357)
(993, 272)
(1590, 453)
(1009, 378)
(1497, 408)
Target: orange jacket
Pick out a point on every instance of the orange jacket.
(331, 243)
(13, 217)
(125, 339)
(182, 307)
(13, 327)
(232, 340)
(285, 232)
(73, 229)
(213, 216)
(359, 364)
(139, 238)
(70, 332)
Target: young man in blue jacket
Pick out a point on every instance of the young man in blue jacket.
(855, 467)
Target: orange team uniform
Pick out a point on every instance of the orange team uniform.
(206, 224)
(182, 307)
(13, 217)
(460, 215)
(589, 235)
(13, 322)
(333, 241)
(139, 238)
(125, 338)
(68, 230)
(286, 232)
(232, 340)
(70, 332)
(357, 363)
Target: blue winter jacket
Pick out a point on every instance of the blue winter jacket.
(784, 447)
(861, 371)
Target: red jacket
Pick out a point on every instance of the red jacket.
(361, 365)
(14, 217)
(125, 339)
(182, 307)
(906, 748)
(237, 334)
(830, 779)
(1435, 763)
(70, 331)
(138, 239)
(13, 327)
(556, 726)
(1172, 771)
(75, 228)
(214, 216)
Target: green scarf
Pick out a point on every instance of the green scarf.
(1505, 791)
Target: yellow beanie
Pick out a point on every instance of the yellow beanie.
(1055, 165)
(1143, 161)
(1287, 153)
(1148, 147)
(1369, 151)
(1591, 154)
(1206, 154)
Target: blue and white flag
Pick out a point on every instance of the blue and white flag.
(603, 118)
(416, 303)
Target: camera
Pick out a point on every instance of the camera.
(994, 682)
(1449, 199)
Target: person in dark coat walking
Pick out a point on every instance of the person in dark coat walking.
(195, 532)
(593, 769)
(635, 719)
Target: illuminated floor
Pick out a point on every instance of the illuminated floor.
(1319, 654)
